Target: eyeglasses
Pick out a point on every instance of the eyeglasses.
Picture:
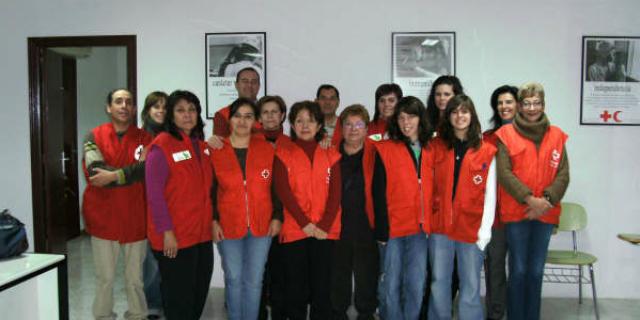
(357, 125)
(531, 104)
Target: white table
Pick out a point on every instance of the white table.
(34, 286)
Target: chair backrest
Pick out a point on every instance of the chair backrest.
(573, 217)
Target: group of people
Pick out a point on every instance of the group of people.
(409, 204)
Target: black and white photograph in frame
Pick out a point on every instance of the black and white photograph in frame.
(419, 58)
(226, 54)
(610, 81)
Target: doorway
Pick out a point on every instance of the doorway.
(58, 75)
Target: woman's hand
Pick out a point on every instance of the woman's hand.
(217, 232)
(102, 177)
(320, 234)
(170, 244)
(536, 207)
(309, 229)
(215, 142)
(274, 227)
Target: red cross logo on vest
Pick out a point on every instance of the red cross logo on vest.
(265, 174)
(555, 158)
(138, 152)
(477, 179)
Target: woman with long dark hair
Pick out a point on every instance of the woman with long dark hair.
(402, 187)
(387, 96)
(443, 89)
(178, 181)
(464, 201)
(504, 103)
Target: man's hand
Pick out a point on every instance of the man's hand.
(215, 142)
(103, 177)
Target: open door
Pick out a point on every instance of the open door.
(53, 87)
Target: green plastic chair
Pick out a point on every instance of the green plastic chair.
(572, 219)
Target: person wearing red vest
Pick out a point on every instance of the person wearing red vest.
(178, 182)
(114, 206)
(247, 86)
(307, 180)
(402, 187)
(244, 216)
(271, 114)
(387, 96)
(503, 104)
(533, 169)
(355, 253)
(464, 200)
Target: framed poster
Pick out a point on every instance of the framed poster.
(419, 58)
(226, 54)
(610, 87)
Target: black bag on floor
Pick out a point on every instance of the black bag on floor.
(13, 236)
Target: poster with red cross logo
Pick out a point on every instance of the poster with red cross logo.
(610, 81)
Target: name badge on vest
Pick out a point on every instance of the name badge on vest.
(181, 155)
(138, 152)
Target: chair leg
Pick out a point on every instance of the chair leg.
(580, 284)
(595, 297)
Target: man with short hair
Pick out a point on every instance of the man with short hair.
(328, 97)
(247, 86)
(113, 204)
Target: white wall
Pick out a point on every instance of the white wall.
(348, 44)
(104, 70)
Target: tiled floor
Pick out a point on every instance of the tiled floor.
(82, 286)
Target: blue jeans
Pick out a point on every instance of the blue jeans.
(243, 262)
(528, 242)
(151, 280)
(442, 251)
(405, 265)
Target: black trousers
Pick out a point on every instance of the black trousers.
(307, 271)
(273, 284)
(185, 279)
(360, 260)
(496, 274)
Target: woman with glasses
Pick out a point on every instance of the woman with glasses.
(533, 169)
(355, 253)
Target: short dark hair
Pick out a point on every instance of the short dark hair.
(445, 129)
(169, 123)
(383, 90)
(433, 114)
(314, 111)
(151, 99)
(278, 100)
(110, 94)
(235, 105)
(327, 87)
(495, 118)
(247, 69)
(410, 105)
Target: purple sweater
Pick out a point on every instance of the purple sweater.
(156, 175)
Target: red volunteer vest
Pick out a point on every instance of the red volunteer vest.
(490, 137)
(116, 213)
(461, 217)
(408, 199)
(186, 192)
(310, 185)
(244, 205)
(536, 168)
